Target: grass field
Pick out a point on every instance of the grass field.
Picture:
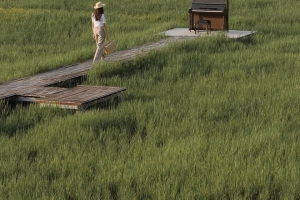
(211, 118)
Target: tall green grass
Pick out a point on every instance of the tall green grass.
(211, 118)
(38, 36)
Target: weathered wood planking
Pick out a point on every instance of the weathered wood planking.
(80, 97)
(42, 92)
(37, 89)
(50, 77)
(6, 95)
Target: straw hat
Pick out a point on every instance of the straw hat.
(99, 5)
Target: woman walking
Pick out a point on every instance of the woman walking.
(99, 30)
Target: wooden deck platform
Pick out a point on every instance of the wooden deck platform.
(184, 32)
(80, 97)
(77, 98)
(40, 89)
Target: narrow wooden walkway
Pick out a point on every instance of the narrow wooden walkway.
(39, 88)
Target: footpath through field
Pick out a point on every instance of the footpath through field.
(129, 54)
(40, 88)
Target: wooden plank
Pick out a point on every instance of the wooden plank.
(97, 101)
(23, 90)
(78, 93)
(56, 103)
(104, 94)
(82, 67)
(63, 95)
(44, 91)
(63, 78)
(76, 106)
(81, 95)
(84, 98)
(89, 93)
(51, 77)
(6, 95)
(65, 72)
(47, 104)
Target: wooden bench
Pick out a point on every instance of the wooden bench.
(205, 22)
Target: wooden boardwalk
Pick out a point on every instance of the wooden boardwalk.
(80, 97)
(40, 88)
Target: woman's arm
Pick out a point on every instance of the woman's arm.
(105, 30)
(93, 31)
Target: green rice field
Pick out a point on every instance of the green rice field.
(209, 118)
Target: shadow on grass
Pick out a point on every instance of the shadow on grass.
(248, 40)
(127, 69)
(18, 118)
(136, 97)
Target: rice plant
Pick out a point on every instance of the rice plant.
(209, 118)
